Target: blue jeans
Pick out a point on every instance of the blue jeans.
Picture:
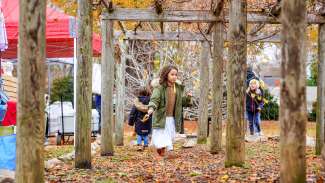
(259, 121)
(145, 139)
(100, 122)
(254, 122)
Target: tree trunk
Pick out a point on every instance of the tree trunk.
(293, 110)
(236, 76)
(83, 85)
(217, 88)
(108, 67)
(120, 103)
(320, 91)
(31, 88)
(204, 92)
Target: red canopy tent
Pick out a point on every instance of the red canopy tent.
(59, 30)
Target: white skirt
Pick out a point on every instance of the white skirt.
(164, 137)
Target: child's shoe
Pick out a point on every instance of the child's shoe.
(161, 151)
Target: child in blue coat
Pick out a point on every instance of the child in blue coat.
(136, 118)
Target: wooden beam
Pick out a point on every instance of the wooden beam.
(236, 76)
(320, 114)
(83, 92)
(121, 26)
(217, 88)
(120, 97)
(31, 82)
(204, 92)
(150, 15)
(293, 105)
(217, 10)
(162, 27)
(188, 36)
(107, 86)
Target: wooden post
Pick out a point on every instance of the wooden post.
(108, 67)
(31, 83)
(120, 100)
(217, 88)
(204, 85)
(320, 117)
(83, 85)
(236, 76)
(293, 110)
(204, 92)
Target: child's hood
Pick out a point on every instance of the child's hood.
(139, 105)
(144, 99)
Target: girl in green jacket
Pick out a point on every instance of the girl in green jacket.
(166, 105)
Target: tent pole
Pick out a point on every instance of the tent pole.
(75, 65)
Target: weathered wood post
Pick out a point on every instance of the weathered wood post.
(108, 67)
(236, 76)
(31, 83)
(320, 115)
(293, 110)
(120, 97)
(217, 88)
(83, 85)
(204, 92)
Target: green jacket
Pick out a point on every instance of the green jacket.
(158, 102)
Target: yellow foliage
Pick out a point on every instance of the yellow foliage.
(70, 8)
(313, 33)
(133, 3)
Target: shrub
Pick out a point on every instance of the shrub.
(62, 87)
(271, 109)
(312, 114)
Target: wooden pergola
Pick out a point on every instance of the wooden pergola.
(31, 79)
(215, 35)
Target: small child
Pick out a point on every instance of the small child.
(254, 105)
(142, 127)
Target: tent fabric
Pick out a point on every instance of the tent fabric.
(3, 34)
(59, 31)
(8, 152)
(11, 114)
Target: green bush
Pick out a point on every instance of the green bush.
(271, 109)
(62, 87)
(312, 79)
(312, 114)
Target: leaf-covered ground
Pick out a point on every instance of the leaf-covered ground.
(191, 165)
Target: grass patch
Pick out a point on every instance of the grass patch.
(116, 159)
(195, 173)
(108, 180)
(122, 174)
(57, 151)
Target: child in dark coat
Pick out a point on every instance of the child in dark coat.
(136, 118)
(254, 105)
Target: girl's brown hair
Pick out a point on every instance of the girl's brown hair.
(164, 73)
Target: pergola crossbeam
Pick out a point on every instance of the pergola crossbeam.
(188, 36)
(194, 16)
(150, 15)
